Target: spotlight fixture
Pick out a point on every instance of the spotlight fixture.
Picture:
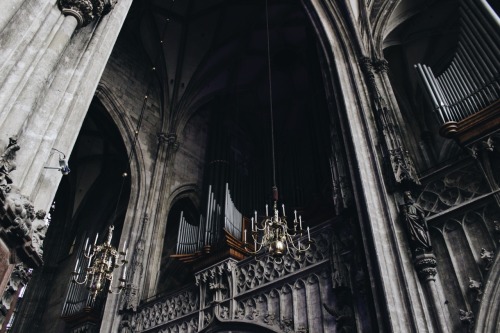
(63, 164)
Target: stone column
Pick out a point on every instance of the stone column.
(167, 146)
(30, 105)
(426, 264)
(424, 260)
(8, 10)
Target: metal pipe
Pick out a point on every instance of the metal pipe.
(471, 81)
(466, 81)
(483, 27)
(429, 93)
(464, 93)
(450, 96)
(479, 53)
(459, 109)
(472, 55)
(489, 14)
(479, 37)
(433, 86)
(208, 218)
(179, 234)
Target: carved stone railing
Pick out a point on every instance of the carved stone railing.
(175, 310)
(256, 293)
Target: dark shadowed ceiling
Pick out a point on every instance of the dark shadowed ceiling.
(220, 47)
(214, 54)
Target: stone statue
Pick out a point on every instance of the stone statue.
(38, 231)
(7, 163)
(414, 218)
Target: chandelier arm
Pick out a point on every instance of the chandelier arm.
(76, 281)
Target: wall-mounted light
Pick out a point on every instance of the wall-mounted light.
(63, 165)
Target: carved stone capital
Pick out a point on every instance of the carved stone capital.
(170, 139)
(85, 11)
(426, 264)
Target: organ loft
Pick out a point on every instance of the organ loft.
(249, 166)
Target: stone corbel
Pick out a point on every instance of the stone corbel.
(467, 319)
(487, 257)
(477, 288)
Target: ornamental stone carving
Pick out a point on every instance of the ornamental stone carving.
(416, 224)
(487, 257)
(284, 297)
(7, 164)
(467, 318)
(18, 279)
(477, 288)
(426, 264)
(85, 11)
(20, 223)
(399, 161)
(38, 231)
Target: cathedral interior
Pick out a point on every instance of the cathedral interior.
(145, 141)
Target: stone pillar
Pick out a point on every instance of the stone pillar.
(167, 147)
(31, 94)
(424, 260)
(8, 10)
(426, 264)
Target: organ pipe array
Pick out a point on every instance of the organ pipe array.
(471, 81)
(194, 238)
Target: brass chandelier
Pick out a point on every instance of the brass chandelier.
(272, 232)
(99, 263)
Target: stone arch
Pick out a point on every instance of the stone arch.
(183, 199)
(131, 231)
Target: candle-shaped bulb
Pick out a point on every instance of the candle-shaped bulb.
(308, 234)
(255, 212)
(252, 224)
(96, 236)
(295, 213)
(283, 206)
(300, 220)
(86, 243)
(245, 235)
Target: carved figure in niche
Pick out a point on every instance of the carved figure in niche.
(7, 163)
(414, 218)
(38, 231)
